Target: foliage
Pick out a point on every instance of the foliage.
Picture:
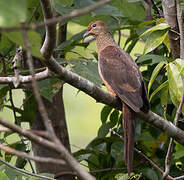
(162, 75)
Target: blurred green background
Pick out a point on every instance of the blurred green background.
(82, 112)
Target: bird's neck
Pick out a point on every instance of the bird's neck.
(104, 39)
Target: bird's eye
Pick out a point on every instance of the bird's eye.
(94, 25)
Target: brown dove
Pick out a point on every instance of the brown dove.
(122, 78)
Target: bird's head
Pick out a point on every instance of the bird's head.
(95, 28)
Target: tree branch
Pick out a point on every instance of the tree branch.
(50, 37)
(63, 18)
(27, 156)
(179, 109)
(53, 146)
(106, 98)
(26, 79)
(41, 107)
(170, 15)
(180, 24)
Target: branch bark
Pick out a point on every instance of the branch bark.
(26, 79)
(34, 158)
(170, 15)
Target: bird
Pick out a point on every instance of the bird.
(122, 77)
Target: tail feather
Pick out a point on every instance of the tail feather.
(129, 136)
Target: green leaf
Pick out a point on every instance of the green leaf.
(82, 154)
(163, 85)
(150, 59)
(34, 39)
(12, 12)
(3, 176)
(154, 40)
(71, 43)
(117, 151)
(114, 117)
(150, 174)
(167, 43)
(155, 73)
(161, 26)
(164, 95)
(87, 69)
(104, 10)
(13, 174)
(3, 92)
(175, 84)
(180, 64)
(132, 10)
(104, 129)
(29, 108)
(179, 151)
(105, 113)
(49, 87)
(122, 176)
(5, 45)
(64, 3)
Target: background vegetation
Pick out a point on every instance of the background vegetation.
(151, 31)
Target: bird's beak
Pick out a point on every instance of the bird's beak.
(87, 37)
(86, 34)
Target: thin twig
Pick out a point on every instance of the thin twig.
(25, 172)
(34, 158)
(171, 143)
(179, 178)
(143, 155)
(41, 107)
(12, 104)
(63, 18)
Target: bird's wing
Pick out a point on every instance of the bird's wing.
(122, 74)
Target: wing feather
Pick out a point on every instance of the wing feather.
(121, 72)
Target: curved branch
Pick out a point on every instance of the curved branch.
(26, 79)
(50, 37)
(106, 98)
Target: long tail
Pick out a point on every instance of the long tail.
(129, 136)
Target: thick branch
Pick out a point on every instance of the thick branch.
(180, 24)
(170, 15)
(106, 98)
